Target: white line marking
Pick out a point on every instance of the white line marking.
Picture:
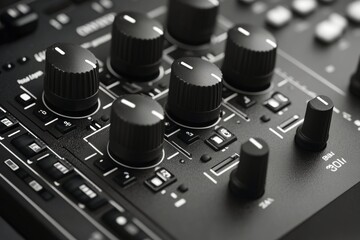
(128, 103)
(180, 203)
(28, 92)
(107, 106)
(170, 134)
(113, 85)
(107, 93)
(322, 100)
(282, 83)
(88, 157)
(229, 117)
(336, 110)
(157, 114)
(110, 172)
(90, 63)
(256, 143)
(231, 97)
(106, 126)
(216, 77)
(50, 122)
(145, 229)
(243, 31)
(12, 134)
(92, 128)
(225, 170)
(209, 177)
(129, 19)
(272, 43)
(311, 72)
(31, 105)
(160, 94)
(95, 149)
(173, 195)
(42, 157)
(276, 133)
(172, 156)
(158, 30)
(293, 126)
(59, 51)
(186, 65)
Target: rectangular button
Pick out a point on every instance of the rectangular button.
(13, 166)
(221, 139)
(277, 102)
(24, 99)
(160, 180)
(124, 179)
(54, 167)
(28, 145)
(7, 122)
(43, 114)
(65, 126)
(35, 186)
(187, 137)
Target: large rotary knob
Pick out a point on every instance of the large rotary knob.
(313, 134)
(136, 131)
(192, 22)
(249, 179)
(136, 46)
(195, 92)
(250, 57)
(71, 83)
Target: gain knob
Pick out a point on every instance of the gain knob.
(136, 46)
(71, 83)
(314, 132)
(195, 92)
(192, 22)
(249, 179)
(355, 82)
(136, 131)
(250, 57)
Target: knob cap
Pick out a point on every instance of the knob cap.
(136, 131)
(192, 22)
(355, 82)
(136, 45)
(249, 179)
(195, 92)
(71, 83)
(250, 57)
(314, 132)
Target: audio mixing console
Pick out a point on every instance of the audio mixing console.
(180, 119)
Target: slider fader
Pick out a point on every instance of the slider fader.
(179, 119)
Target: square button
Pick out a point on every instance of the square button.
(7, 122)
(43, 114)
(28, 145)
(65, 126)
(277, 102)
(246, 101)
(187, 137)
(156, 181)
(25, 99)
(124, 179)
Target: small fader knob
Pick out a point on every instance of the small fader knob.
(195, 92)
(314, 132)
(355, 82)
(192, 21)
(71, 83)
(136, 131)
(248, 180)
(136, 45)
(250, 57)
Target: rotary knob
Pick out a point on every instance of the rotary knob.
(314, 132)
(195, 92)
(136, 131)
(249, 179)
(71, 83)
(136, 45)
(192, 22)
(355, 82)
(250, 57)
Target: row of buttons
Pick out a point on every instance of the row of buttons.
(30, 181)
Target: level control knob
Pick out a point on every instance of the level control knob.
(136, 45)
(250, 57)
(192, 22)
(314, 132)
(136, 131)
(195, 92)
(71, 83)
(249, 179)
(355, 82)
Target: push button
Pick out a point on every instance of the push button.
(54, 167)
(43, 115)
(170, 127)
(78, 188)
(7, 122)
(24, 99)
(65, 126)
(104, 165)
(124, 179)
(277, 102)
(160, 180)
(187, 137)
(246, 101)
(28, 145)
(221, 139)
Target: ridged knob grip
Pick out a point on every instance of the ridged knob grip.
(136, 131)
(71, 81)
(195, 92)
(192, 22)
(250, 57)
(136, 45)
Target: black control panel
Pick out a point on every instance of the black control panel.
(180, 119)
